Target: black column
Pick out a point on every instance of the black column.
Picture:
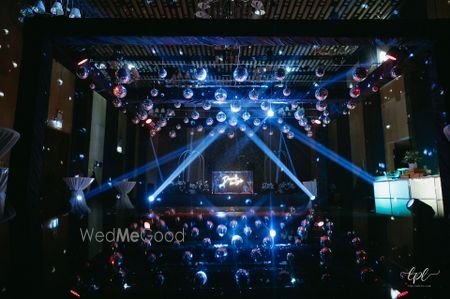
(24, 184)
(441, 107)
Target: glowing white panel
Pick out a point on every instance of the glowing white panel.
(383, 206)
(437, 185)
(381, 189)
(399, 207)
(399, 189)
(423, 188)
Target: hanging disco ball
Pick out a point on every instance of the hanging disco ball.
(237, 241)
(82, 72)
(321, 94)
(220, 95)
(172, 134)
(206, 105)
(200, 74)
(120, 91)
(188, 93)
(265, 105)
(170, 113)
(256, 122)
(246, 116)
(209, 121)
(302, 122)
(187, 257)
(199, 128)
(359, 74)
(240, 73)
(135, 120)
(351, 105)
(242, 127)
(117, 103)
(200, 278)
(267, 242)
(92, 86)
(221, 230)
(186, 120)
(307, 127)
(195, 115)
(326, 119)
(123, 75)
(221, 129)
(280, 74)
(256, 253)
(354, 92)
(375, 88)
(235, 106)
(233, 121)
(264, 127)
(162, 73)
(154, 92)
(230, 134)
(299, 113)
(285, 129)
(395, 72)
(177, 104)
(320, 72)
(162, 122)
(294, 105)
(242, 278)
(212, 133)
(147, 104)
(221, 254)
(141, 114)
(178, 127)
(286, 91)
(321, 106)
(253, 94)
(290, 135)
(221, 116)
(280, 120)
(250, 133)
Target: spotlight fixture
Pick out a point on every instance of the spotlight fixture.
(259, 8)
(151, 198)
(272, 233)
(270, 113)
(419, 209)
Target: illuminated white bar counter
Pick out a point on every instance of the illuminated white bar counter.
(391, 196)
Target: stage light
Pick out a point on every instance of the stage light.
(420, 209)
(270, 113)
(272, 233)
(151, 198)
(119, 149)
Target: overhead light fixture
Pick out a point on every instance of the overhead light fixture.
(57, 9)
(75, 13)
(259, 8)
(39, 7)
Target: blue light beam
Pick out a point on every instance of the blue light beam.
(207, 141)
(134, 173)
(280, 164)
(161, 177)
(318, 147)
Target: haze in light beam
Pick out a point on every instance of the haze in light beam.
(280, 164)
